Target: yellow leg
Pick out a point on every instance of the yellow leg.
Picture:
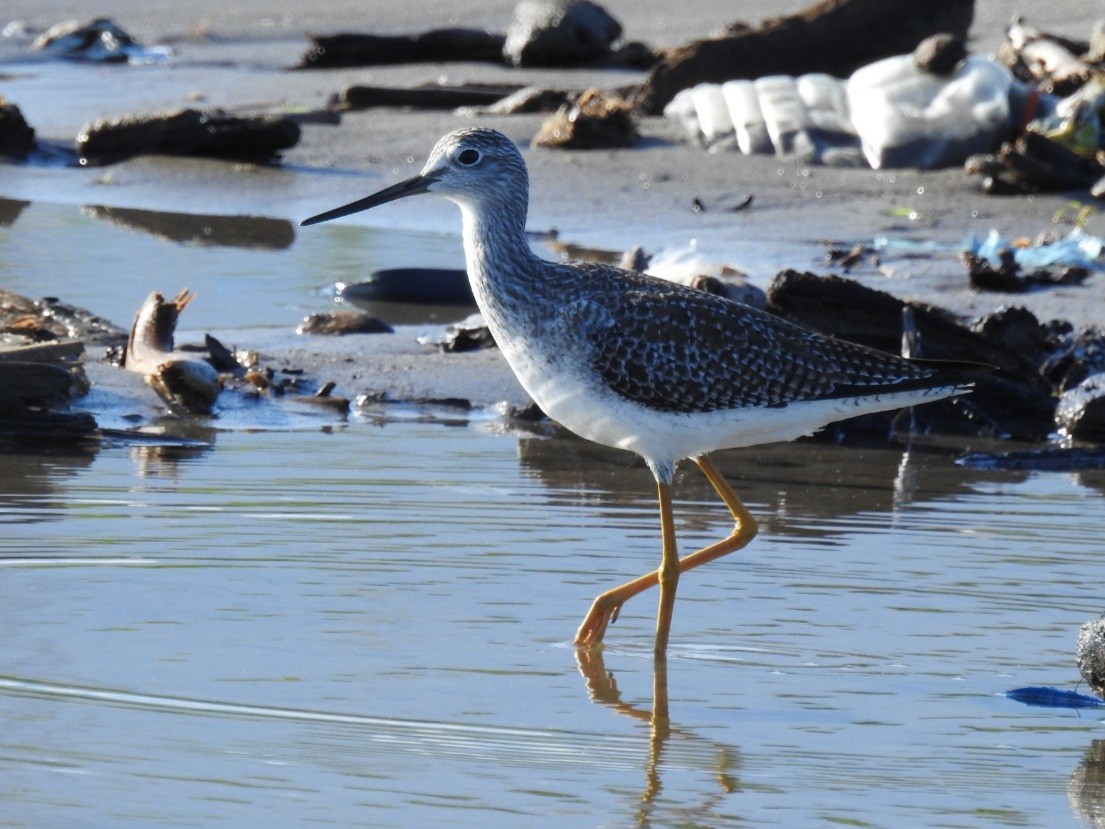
(606, 607)
(668, 574)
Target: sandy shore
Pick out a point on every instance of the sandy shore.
(610, 199)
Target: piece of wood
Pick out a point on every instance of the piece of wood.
(433, 46)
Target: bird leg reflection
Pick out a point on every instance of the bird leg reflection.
(607, 606)
(603, 688)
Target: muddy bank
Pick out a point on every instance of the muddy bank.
(661, 193)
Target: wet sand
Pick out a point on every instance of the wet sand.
(238, 57)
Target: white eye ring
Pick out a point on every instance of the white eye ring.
(469, 157)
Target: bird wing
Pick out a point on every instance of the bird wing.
(677, 349)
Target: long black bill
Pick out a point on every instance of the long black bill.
(417, 184)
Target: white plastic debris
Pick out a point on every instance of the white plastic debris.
(747, 117)
(906, 117)
(902, 115)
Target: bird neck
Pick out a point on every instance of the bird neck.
(496, 250)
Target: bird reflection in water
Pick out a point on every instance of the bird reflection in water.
(603, 689)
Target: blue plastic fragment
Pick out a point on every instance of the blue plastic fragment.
(1043, 697)
(1077, 249)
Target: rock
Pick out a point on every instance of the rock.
(1090, 653)
(433, 46)
(559, 33)
(424, 286)
(343, 322)
(1081, 410)
(835, 37)
(940, 54)
(596, 121)
(186, 132)
(17, 137)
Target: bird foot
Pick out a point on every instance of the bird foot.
(603, 612)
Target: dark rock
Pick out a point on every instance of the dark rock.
(26, 384)
(1020, 331)
(343, 322)
(186, 132)
(17, 137)
(559, 33)
(426, 96)
(1081, 410)
(834, 36)
(940, 54)
(433, 46)
(1007, 277)
(596, 121)
(460, 338)
(425, 286)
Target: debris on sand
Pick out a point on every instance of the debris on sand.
(1054, 64)
(834, 37)
(598, 120)
(95, 41)
(543, 33)
(192, 132)
(183, 381)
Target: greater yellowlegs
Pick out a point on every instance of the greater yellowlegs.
(637, 363)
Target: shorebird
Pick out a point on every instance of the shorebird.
(634, 362)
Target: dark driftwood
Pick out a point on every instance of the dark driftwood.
(186, 132)
(834, 36)
(428, 96)
(434, 46)
(1016, 400)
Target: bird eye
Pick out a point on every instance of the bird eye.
(468, 157)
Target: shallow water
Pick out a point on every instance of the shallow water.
(370, 627)
(368, 622)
